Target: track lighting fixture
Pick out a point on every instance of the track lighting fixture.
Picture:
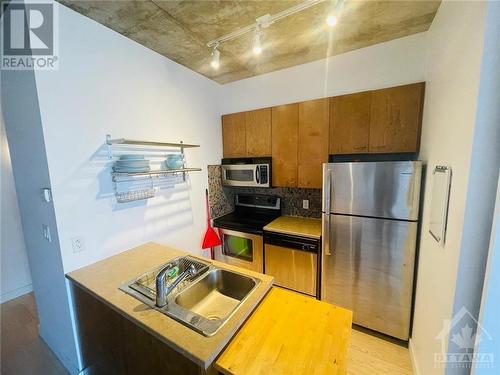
(266, 21)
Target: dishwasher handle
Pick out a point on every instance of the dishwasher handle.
(310, 245)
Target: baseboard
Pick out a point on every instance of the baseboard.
(16, 293)
(413, 359)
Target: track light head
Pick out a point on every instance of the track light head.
(215, 63)
(334, 14)
(257, 47)
(331, 20)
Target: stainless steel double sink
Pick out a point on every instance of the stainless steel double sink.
(204, 302)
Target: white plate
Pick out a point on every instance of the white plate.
(131, 157)
(132, 164)
(131, 170)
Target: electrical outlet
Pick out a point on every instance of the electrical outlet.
(305, 204)
(78, 244)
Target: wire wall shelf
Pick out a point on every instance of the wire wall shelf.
(134, 195)
(129, 185)
(124, 141)
(154, 173)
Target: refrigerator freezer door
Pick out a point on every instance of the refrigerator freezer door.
(377, 189)
(370, 270)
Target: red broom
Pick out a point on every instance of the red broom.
(211, 238)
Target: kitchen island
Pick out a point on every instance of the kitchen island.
(119, 334)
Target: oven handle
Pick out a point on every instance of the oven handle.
(257, 174)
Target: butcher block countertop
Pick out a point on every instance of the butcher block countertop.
(103, 278)
(297, 226)
(290, 333)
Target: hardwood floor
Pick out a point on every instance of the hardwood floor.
(23, 352)
(372, 355)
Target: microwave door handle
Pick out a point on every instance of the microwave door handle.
(257, 174)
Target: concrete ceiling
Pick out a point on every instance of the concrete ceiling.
(180, 30)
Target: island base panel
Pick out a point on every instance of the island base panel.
(111, 344)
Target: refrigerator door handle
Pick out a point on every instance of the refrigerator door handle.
(326, 234)
(327, 175)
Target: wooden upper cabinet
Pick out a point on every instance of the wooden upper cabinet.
(300, 136)
(313, 142)
(350, 123)
(233, 135)
(396, 118)
(258, 132)
(285, 126)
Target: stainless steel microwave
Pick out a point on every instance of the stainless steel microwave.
(246, 172)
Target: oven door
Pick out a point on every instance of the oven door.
(241, 249)
(247, 175)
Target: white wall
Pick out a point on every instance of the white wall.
(482, 187)
(393, 63)
(484, 168)
(15, 272)
(27, 150)
(109, 84)
(455, 46)
(491, 300)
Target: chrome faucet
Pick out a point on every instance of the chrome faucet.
(161, 285)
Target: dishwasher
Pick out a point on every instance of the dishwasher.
(293, 262)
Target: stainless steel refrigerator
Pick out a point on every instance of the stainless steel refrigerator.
(370, 220)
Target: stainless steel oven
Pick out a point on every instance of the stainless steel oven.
(241, 249)
(246, 172)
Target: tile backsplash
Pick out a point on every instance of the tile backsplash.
(222, 198)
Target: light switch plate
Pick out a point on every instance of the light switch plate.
(305, 204)
(46, 233)
(46, 195)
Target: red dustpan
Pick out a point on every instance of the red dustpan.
(211, 238)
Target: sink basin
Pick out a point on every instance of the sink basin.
(217, 295)
(204, 302)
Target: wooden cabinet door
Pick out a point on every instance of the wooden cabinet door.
(233, 135)
(313, 142)
(396, 118)
(258, 132)
(350, 123)
(285, 127)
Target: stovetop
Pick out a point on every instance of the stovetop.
(250, 215)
